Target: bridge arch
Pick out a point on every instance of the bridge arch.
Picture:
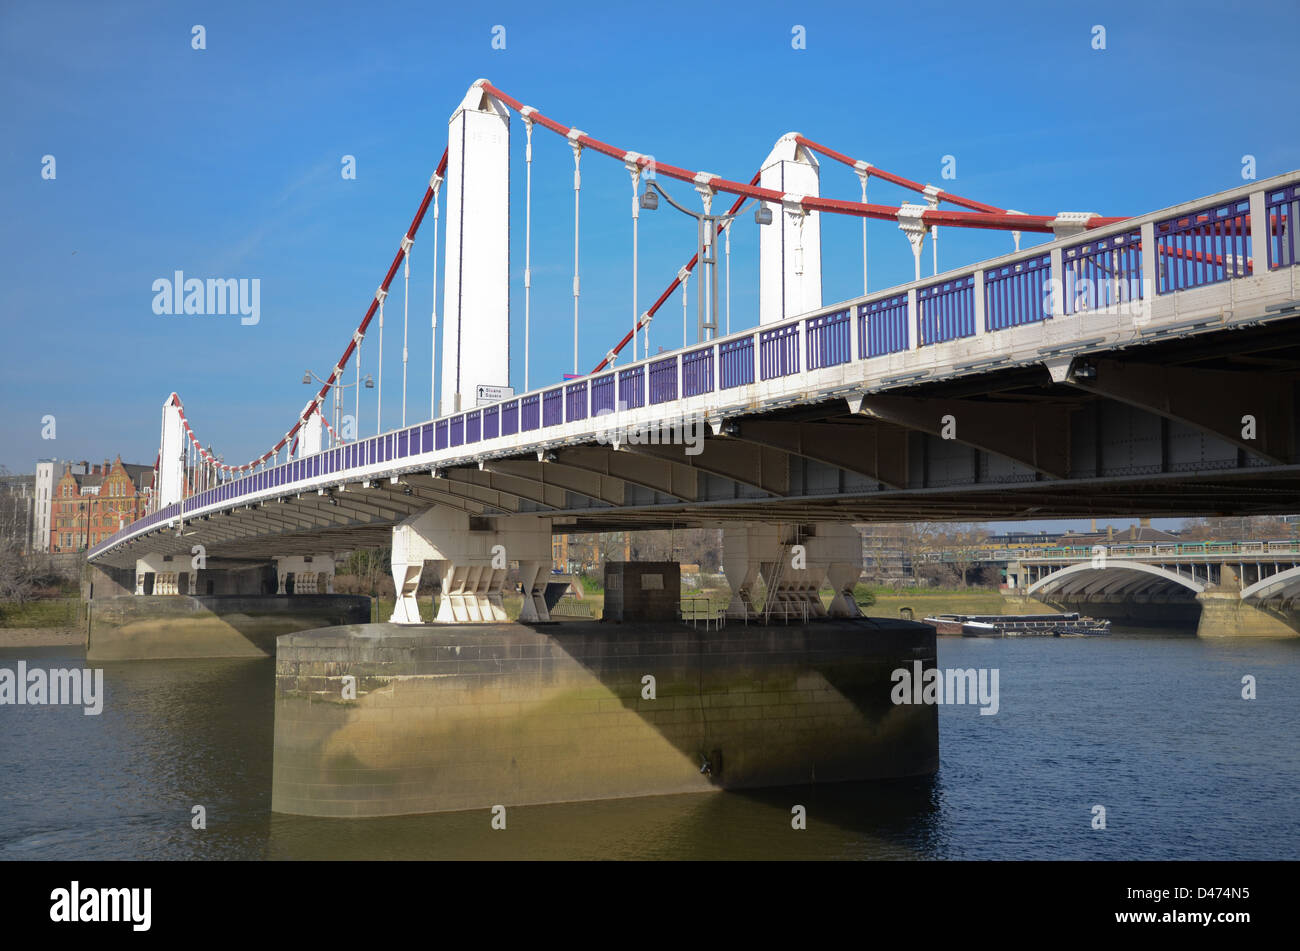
(1284, 585)
(1130, 578)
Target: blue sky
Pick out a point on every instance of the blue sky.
(225, 162)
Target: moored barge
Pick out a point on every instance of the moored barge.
(1019, 625)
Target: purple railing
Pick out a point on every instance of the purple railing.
(492, 422)
(1102, 273)
(1283, 210)
(1014, 293)
(530, 412)
(697, 372)
(440, 437)
(602, 394)
(510, 418)
(553, 407)
(663, 380)
(631, 386)
(946, 311)
(457, 431)
(829, 343)
(778, 352)
(736, 363)
(1203, 248)
(882, 326)
(473, 426)
(575, 401)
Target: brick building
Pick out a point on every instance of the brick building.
(88, 507)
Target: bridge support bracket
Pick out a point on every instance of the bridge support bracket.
(473, 558)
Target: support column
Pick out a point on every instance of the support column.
(165, 570)
(312, 574)
(745, 547)
(789, 249)
(476, 291)
(838, 547)
(473, 557)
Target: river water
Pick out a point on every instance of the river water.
(1152, 727)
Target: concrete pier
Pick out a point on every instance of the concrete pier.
(458, 717)
(1224, 614)
(154, 627)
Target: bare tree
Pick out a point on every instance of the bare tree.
(962, 541)
(17, 580)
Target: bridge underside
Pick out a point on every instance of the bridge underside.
(1150, 430)
(1083, 582)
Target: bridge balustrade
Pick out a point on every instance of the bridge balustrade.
(946, 311)
(553, 407)
(631, 387)
(1102, 273)
(602, 394)
(510, 418)
(778, 352)
(530, 412)
(697, 372)
(663, 380)
(1203, 247)
(473, 426)
(829, 343)
(1014, 295)
(457, 431)
(882, 326)
(440, 437)
(1283, 206)
(575, 401)
(736, 362)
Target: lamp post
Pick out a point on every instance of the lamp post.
(707, 229)
(339, 387)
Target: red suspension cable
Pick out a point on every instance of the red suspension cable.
(336, 373)
(880, 173)
(957, 219)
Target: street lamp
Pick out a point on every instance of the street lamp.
(706, 253)
(339, 387)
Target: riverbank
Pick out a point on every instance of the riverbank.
(40, 637)
(970, 601)
(52, 622)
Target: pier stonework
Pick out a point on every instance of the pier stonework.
(466, 717)
(157, 627)
(1224, 614)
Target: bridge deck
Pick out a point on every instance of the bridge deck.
(841, 413)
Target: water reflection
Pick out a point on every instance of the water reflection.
(1153, 727)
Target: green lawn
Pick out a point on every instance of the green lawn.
(53, 613)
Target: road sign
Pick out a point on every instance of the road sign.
(492, 394)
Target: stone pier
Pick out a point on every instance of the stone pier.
(155, 627)
(454, 717)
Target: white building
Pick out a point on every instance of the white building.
(48, 472)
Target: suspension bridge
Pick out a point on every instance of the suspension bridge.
(1138, 364)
